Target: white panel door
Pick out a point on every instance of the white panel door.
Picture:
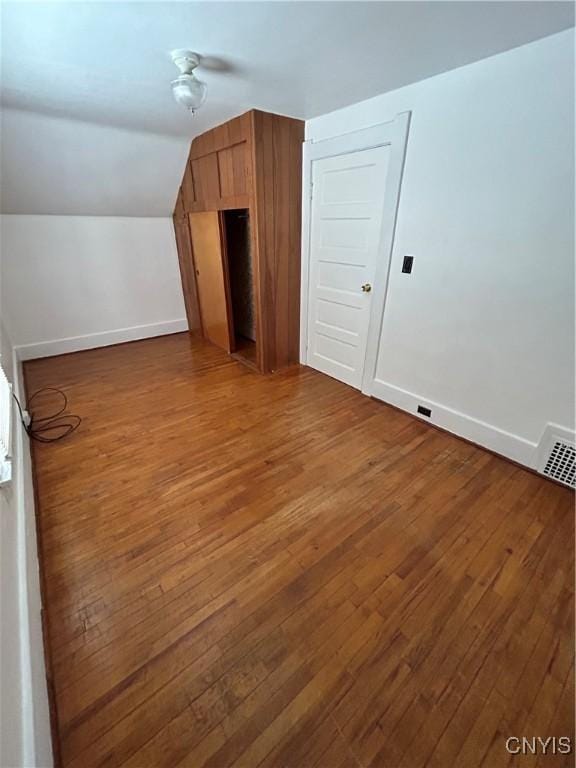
(346, 223)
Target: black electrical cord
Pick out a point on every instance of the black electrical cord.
(49, 429)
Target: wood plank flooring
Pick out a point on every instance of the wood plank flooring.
(280, 572)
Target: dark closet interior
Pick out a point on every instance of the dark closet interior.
(241, 281)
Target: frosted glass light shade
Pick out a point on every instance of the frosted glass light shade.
(189, 91)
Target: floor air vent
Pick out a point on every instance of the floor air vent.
(561, 463)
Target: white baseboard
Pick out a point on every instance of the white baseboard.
(95, 340)
(36, 739)
(505, 443)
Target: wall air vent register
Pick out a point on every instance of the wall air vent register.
(561, 463)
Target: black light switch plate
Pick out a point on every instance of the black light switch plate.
(407, 264)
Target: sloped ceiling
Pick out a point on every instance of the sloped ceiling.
(89, 125)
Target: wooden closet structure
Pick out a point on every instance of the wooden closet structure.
(237, 221)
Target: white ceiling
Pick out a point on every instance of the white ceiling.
(107, 64)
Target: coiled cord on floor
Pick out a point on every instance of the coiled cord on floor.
(49, 429)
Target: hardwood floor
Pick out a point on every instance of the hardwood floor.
(280, 572)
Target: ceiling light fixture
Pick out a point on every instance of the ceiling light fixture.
(187, 90)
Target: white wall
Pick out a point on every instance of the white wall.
(53, 165)
(24, 715)
(74, 282)
(484, 326)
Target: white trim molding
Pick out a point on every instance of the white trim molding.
(392, 132)
(6, 408)
(31, 693)
(479, 432)
(398, 139)
(103, 339)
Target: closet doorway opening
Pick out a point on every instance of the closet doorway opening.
(236, 226)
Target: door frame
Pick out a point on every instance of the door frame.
(394, 133)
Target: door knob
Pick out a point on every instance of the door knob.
(366, 287)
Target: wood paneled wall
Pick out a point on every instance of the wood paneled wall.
(278, 203)
(186, 264)
(219, 172)
(255, 162)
